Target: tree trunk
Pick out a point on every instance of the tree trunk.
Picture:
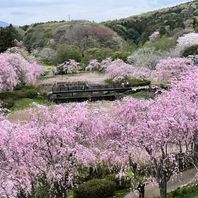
(195, 147)
(163, 188)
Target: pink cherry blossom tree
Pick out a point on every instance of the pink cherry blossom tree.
(58, 140)
(171, 69)
(14, 69)
(119, 70)
(165, 129)
(157, 129)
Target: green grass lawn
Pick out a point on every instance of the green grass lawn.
(118, 194)
(26, 103)
(70, 195)
(189, 191)
(121, 193)
(142, 95)
(21, 98)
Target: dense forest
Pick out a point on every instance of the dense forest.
(169, 22)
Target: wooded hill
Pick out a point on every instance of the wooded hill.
(172, 21)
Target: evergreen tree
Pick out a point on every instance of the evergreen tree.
(7, 36)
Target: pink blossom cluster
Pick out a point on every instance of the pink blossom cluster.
(162, 128)
(52, 146)
(119, 70)
(14, 69)
(171, 69)
(58, 140)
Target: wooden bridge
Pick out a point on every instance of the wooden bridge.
(82, 91)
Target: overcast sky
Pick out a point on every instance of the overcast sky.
(21, 12)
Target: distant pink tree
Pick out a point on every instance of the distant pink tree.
(119, 70)
(14, 69)
(101, 32)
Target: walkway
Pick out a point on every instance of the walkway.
(152, 191)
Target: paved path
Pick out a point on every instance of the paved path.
(183, 179)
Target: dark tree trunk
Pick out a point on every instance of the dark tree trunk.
(196, 147)
(163, 188)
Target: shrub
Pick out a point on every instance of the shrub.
(189, 191)
(164, 43)
(67, 52)
(8, 103)
(96, 188)
(121, 183)
(120, 55)
(95, 53)
(134, 82)
(17, 94)
(26, 93)
(41, 192)
(8, 99)
(193, 50)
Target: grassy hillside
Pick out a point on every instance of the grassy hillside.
(83, 34)
(169, 22)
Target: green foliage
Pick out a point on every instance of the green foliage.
(131, 46)
(142, 95)
(7, 37)
(120, 55)
(66, 52)
(41, 192)
(83, 34)
(9, 99)
(25, 92)
(193, 50)
(96, 53)
(131, 81)
(121, 183)
(164, 43)
(96, 188)
(168, 21)
(189, 191)
(27, 102)
(100, 172)
(121, 193)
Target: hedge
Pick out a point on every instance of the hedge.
(134, 82)
(96, 188)
(121, 183)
